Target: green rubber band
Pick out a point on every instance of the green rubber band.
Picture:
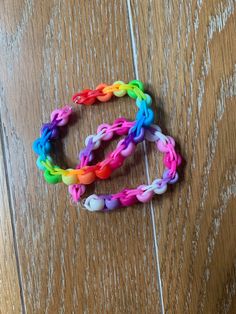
(138, 84)
(50, 178)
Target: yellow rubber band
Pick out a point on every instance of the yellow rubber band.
(49, 166)
(126, 87)
(75, 171)
(59, 171)
(111, 88)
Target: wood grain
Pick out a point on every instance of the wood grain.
(65, 260)
(10, 301)
(71, 261)
(186, 53)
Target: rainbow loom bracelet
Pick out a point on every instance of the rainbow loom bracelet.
(136, 132)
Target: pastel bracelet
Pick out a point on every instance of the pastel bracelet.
(143, 193)
(135, 132)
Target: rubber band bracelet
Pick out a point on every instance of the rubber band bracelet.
(135, 132)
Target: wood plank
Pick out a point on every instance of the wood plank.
(10, 301)
(71, 261)
(186, 53)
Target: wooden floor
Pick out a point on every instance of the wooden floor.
(176, 255)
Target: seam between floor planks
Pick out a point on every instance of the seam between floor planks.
(155, 244)
(8, 190)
